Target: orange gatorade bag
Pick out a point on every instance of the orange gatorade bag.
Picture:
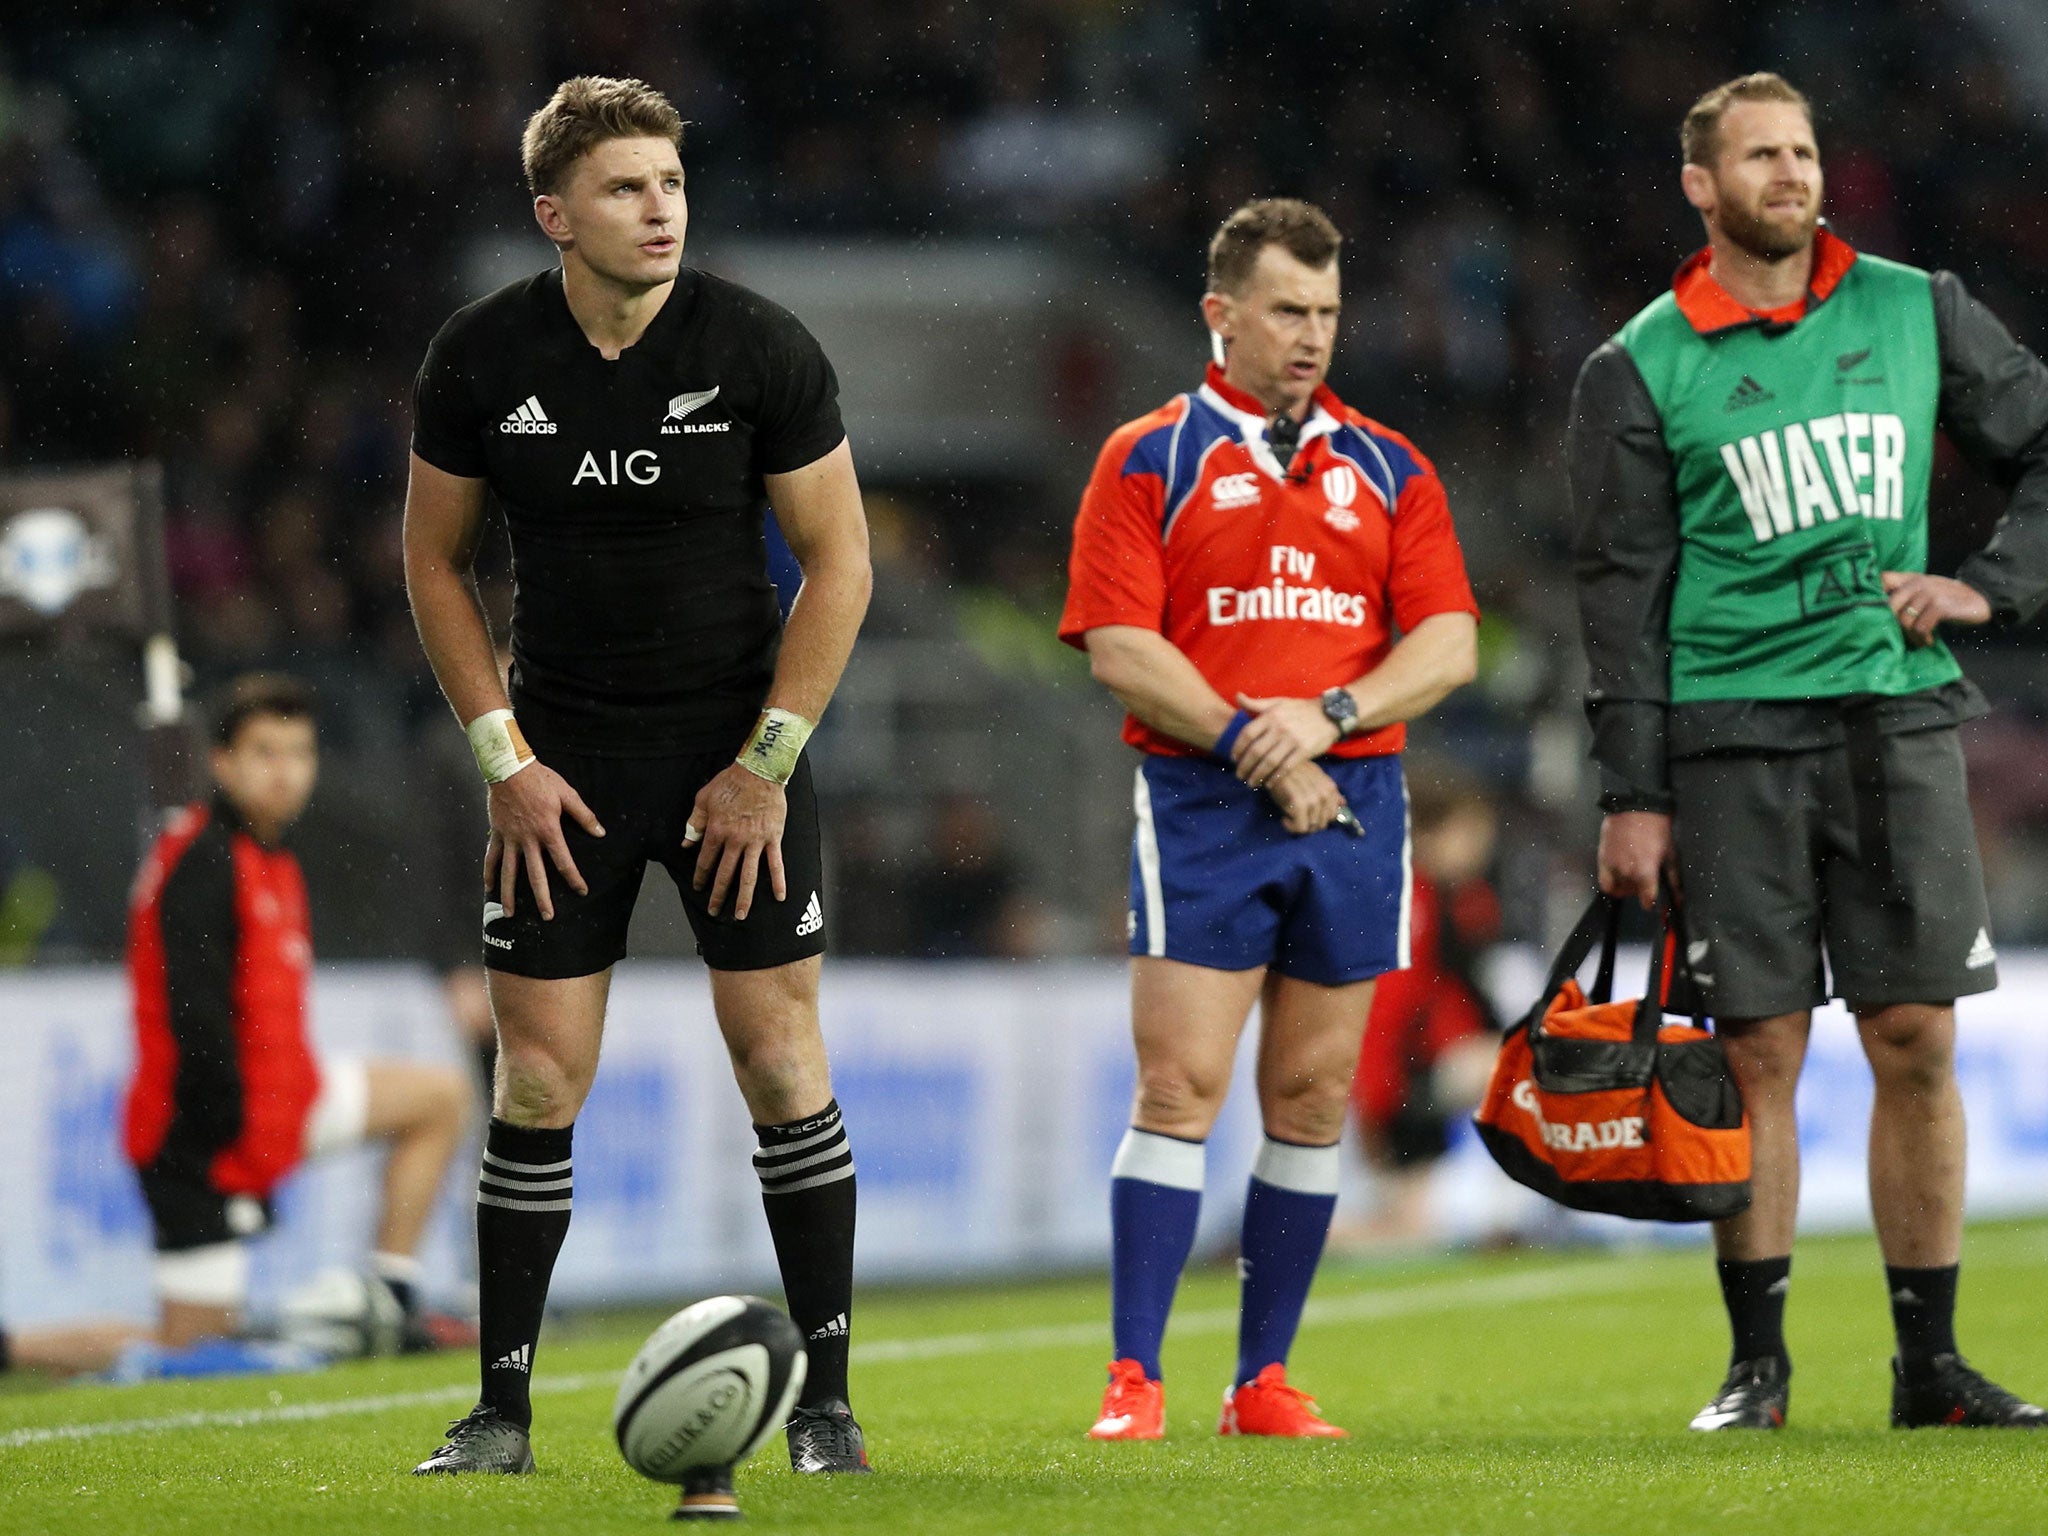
(1603, 1106)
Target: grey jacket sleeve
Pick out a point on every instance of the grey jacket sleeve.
(1994, 407)
(1626, 559)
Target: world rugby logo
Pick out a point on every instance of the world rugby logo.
(48, 556)
(1340, 489)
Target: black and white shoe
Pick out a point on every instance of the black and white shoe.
(826, 1439)
(483, 1440)
(708, 1496)
(1754, 1396)
(1947, 1391)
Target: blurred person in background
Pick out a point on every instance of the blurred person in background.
(70, 1349)
(229, 1095)
(1430, 1041)
(1243, 560)
(1774, 711)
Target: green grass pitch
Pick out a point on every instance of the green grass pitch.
(1537, 1393)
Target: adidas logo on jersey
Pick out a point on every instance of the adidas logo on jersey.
(521, 1360)
(813, 918)
(528, 419)
(1231, 491)
(1981, 953)
(1746, 393)
(835, 1329)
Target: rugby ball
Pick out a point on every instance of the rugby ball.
(343, 1316)
(708, 1387)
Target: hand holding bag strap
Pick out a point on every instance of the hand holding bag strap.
(1599, 925)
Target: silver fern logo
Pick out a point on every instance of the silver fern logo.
(683, 405)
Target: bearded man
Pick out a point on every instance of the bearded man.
(1774, 711)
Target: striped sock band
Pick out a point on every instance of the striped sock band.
(803, 1154)
(511, 1185)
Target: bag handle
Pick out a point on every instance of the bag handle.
(1601, 925)
(1670, 954)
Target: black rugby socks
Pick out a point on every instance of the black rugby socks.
(807, 1189)
(1923, 1312)
(1754, 1292)
(522, 1215)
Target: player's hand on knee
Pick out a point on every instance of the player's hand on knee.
(526, 834)
(738, 820)
(1921, 602)
(1636, 853)
(1281, 733)
(1308, 797)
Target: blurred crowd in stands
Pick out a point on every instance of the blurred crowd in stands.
(228, 229)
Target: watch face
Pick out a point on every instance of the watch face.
(1340, 708)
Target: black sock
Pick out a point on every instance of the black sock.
(806, 1170)
(1754, 1292)
(1923, 1311)
(522, 1215)
(6, 1353)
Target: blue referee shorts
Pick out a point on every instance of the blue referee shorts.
(1218, 880)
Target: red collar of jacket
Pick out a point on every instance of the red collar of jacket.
(1251, 405)
(1712, 309)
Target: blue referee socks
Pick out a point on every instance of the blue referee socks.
(1155, 1202)
(1286, 1218)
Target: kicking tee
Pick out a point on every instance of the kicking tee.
(1274, 580)
(644, 622)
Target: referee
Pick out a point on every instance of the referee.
(1774, 712)
(630, 415)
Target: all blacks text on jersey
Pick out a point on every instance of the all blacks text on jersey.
(642, 466)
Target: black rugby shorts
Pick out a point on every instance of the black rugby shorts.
(643, 804)
(1865, 851)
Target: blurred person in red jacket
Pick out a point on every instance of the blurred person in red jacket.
(1431, 1037)
(229, 1094)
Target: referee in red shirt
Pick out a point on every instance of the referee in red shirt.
(1269, 582)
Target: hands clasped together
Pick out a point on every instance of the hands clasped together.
(1277, 751)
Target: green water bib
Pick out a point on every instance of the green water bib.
(1801, 462)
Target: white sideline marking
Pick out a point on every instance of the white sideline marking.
(1364, 1307)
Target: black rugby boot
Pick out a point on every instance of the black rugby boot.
(826, 1439)
(1754, 1396)
(1947, 1391)
(483, 1440)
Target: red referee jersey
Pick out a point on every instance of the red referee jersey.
(1271, 584)
(219, 949)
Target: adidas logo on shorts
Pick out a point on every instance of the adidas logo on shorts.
(812, 920)
(1981, 953)
(529, 419)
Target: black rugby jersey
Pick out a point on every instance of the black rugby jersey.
(644, 622)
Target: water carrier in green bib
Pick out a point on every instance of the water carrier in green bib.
(1801, 457)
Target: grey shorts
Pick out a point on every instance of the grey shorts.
(1864, 852)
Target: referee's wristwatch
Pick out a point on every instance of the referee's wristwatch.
(1341, 710)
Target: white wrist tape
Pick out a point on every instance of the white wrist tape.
(777, 742)
(500, 747)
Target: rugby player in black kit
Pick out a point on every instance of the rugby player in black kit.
(630, 416)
